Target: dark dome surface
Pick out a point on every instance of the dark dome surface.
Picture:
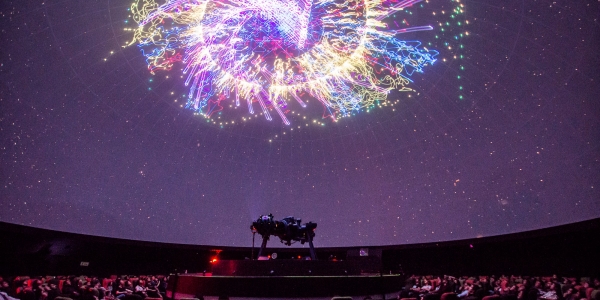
(500, 135)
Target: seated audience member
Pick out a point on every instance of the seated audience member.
(452, 284)
(487, 284)
(68, 289)
(572, 294)
(20, 284)
(128, 284)
(90, 294)
(26, 293)
(39, 288)
(596, 284)
(558, 291)
(405, 292)
(491, 284)
(5, 290)
(152, 290)
(120, 291)
(53, 291)
(523, 289)
(477, 292)
(162, 285)
(140, 288)
(425, 288)
(534, 292)
(442, 286)
(464, 291)
(415, 290)
(569, 283)
(550, 294)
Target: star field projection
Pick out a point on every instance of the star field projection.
(499, 134)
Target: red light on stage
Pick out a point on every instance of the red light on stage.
(214, 260)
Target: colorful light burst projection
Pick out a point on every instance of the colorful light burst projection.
(271, 53)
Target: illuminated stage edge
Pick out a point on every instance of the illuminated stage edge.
(284, 278)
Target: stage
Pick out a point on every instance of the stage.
(284, 279)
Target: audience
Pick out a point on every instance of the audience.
(416, 288)
(502, 288)
(83, 288)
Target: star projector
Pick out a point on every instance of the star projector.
(287, 230)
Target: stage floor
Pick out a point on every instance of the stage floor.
(284, 287)
(362, 297)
